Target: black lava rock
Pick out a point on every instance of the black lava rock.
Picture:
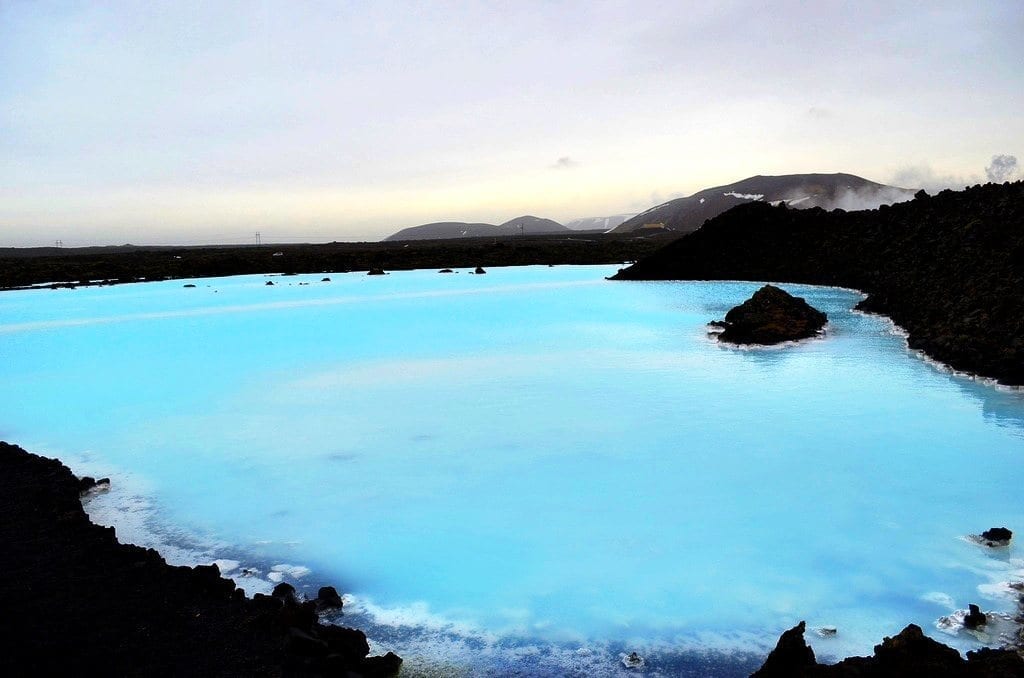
(997, 536)
(975, 617)
(948, 269)
(123, 611)
(327, 598)
(771, 316)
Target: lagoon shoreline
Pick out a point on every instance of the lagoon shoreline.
(80, 602)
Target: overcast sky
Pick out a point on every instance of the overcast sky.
(189, 122)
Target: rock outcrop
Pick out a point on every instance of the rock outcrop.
(949, 268)
(77, 602)
(997, 536)
(771, 316)
(909, 653)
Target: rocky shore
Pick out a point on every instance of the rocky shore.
(948, 268)
(76, 602)
(909, 653)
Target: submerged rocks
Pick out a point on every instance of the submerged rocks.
(770, 316)
(633, 661)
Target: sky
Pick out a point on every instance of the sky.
(185, 123)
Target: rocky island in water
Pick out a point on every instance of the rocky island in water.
(770, 316)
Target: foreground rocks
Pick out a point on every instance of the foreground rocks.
(771, 316)
(76, 602)
(949, 269)
(909, 653)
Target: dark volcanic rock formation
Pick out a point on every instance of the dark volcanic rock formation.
(975, 617)
(949, 269)
(771, 316)
(76, 602)
(909, 653)
(997, 536)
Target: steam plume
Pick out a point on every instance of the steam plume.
(1003, 168)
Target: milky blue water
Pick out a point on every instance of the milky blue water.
(535, 467)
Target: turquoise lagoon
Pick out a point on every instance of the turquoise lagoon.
(532, 470)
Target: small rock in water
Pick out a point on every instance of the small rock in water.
(633, 661)
(325, 280)
(975, 617)
(479, 270)
(445, 270)
(375, 271)
(827, 631)
(87, 483)
(770, 316)
(997, 536)
(270, 283)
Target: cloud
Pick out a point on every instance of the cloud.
(565, 162)
(1003, 168)
(923, 176)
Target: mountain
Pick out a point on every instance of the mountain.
(948, 269)
(442, 230)
(598, 223)
(527, 225)
(829, 191)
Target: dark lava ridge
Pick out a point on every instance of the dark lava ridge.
(949, 268)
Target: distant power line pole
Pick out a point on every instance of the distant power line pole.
(257, 237)
(59, 243)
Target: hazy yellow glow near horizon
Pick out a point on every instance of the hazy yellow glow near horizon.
(206, 122)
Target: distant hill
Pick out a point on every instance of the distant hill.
(828, 191)
(443, 230)
(598, 223)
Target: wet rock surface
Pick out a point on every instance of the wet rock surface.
(909, 653)
(948, 268)
(771, 316)
(997, 536)
(77, 602)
